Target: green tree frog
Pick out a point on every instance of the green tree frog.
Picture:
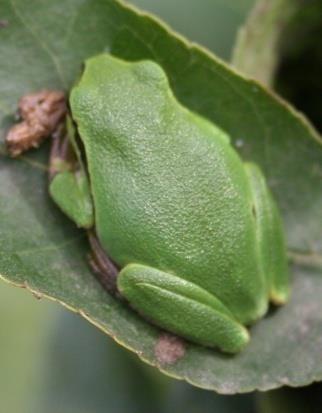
(188, 233)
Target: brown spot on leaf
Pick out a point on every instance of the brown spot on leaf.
(3, 24)
(41, 112)
(169, 349)
(37, 295)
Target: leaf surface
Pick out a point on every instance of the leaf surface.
(42, 45)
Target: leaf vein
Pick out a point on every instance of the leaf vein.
(42, 44)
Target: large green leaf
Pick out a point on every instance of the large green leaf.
(42, 44)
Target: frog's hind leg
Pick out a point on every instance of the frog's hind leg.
(181, 307)
(270, 237)
(103, 267)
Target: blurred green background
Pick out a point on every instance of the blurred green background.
(53, 361)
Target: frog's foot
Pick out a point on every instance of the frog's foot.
(270, 237)
(104, 269)
(181, 307)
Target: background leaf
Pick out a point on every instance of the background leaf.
(48, 365)
(257, 48)
(212, 23)
(279, 46)
(23, 336)
(122, 382)
(307, 399)
(43, 45)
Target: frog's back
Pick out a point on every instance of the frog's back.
(169, 191)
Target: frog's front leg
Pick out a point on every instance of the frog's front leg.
(270, 237)
(61, 156)
(69, 185)
(69, 188)
(68, 182)
(181, 307)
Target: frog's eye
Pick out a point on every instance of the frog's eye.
(148, 71)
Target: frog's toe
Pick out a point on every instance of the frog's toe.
(279, 295)
(181, 307)
(270, 237)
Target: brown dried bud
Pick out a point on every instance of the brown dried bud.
(41, 113)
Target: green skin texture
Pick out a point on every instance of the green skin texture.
(195, 230)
